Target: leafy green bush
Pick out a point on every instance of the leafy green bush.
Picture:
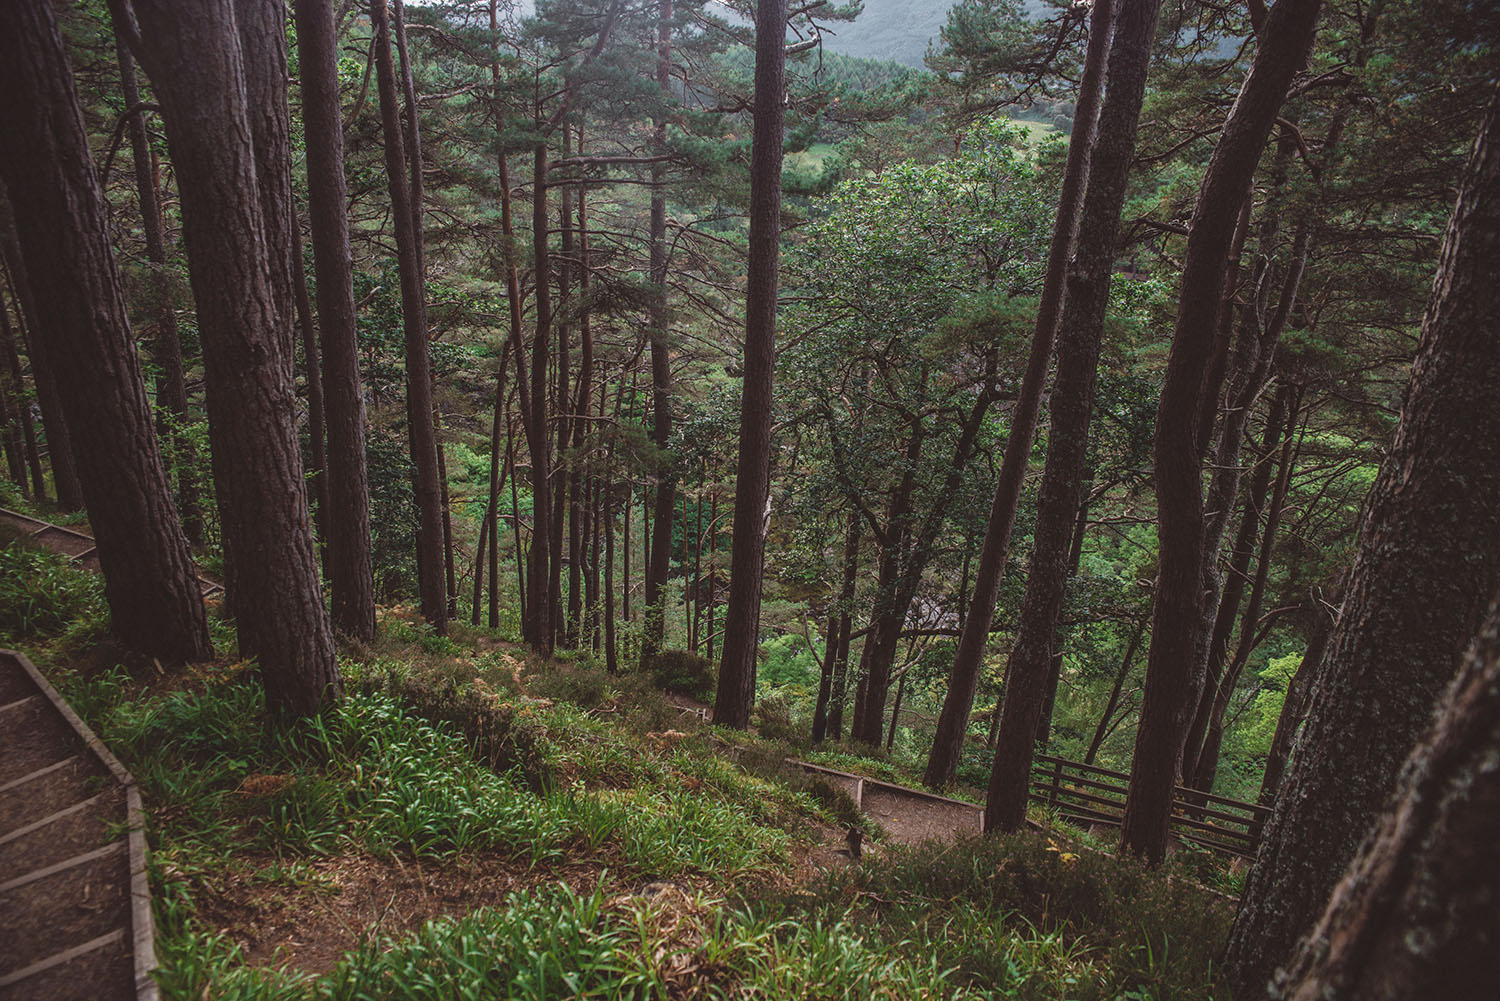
(773, 717)
(581, 684)
(682, 672)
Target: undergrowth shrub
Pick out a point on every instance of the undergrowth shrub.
(1145, 929)
(576, 682)
(773, 718)
(43, 594)
(682, 672)
(496, 736)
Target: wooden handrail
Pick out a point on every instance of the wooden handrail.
(1062, 785)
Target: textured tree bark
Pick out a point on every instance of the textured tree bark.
(349, 564)
(968, 659)
(1054, 667)
(1070, 406)
(1171, 664)
(171, 389)
(196, 64)
(65, 482)
(736, 692)
(1428, 555)
(409, 258)
(62, 227)
(262, 31)
(1414, 915)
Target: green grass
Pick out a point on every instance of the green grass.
(43, 596)
(440, 751)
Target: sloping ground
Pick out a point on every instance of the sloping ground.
(74, 902)
(908, 816)
(76, 545)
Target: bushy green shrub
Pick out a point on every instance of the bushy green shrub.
(1151, 930)
(495, 734)
(581, 684)
(682, 672)
(773, 717)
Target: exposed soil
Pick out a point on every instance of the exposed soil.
(913, 817)
(307, 917)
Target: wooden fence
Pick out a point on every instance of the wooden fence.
(1088, 795)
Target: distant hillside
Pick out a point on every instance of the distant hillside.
(897, 30)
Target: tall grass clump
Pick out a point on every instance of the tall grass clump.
(44, 594)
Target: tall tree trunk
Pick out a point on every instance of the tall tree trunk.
(713, 570)
(1414, 914)
(521, 554)
(1241, 554)
(661, 360)
(890, 738)
(316, 433)
(12, 395)
(523, 381)
(22, 429)
(18, 380)
(489, 528)
(561, 402)
(968, 659)
(611, 652)
(172, 384)
(690, 598)
(1171, 664)
(423, 437)
(197, 67)
(349, 563)
(909, 550)
(539, 573)
(65, 481)
(1254, 351)
(450, 574)
(736, 692)
(1293, 708)
(1070, 405)
(835, 652)
(1054, 669)
(62, 226)
(1206, 764)
(1428, 557)
(1113, 702)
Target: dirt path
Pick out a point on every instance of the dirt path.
(74, 904)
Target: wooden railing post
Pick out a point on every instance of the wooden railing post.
(1057, 766)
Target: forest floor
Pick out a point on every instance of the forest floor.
(473, 822)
